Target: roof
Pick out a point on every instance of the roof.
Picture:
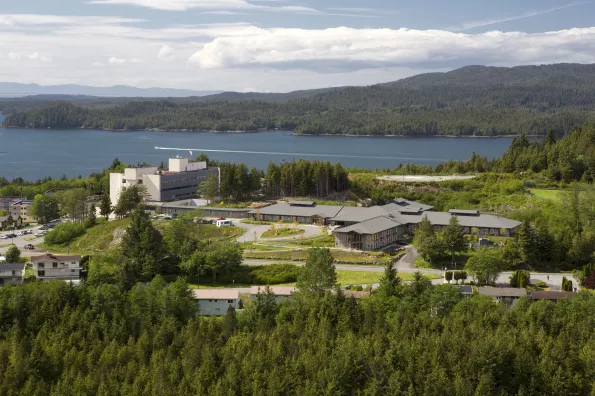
(464, 289)
(501, 292)
(551, 295)
(285, 209)
(12, 266)
(480, 221)
(356, 294)
(301, 203)
(216, 294)
(355, 215)
(405, 203)
(372, 226)
(464, 212)
(277, 290)
(49, 256)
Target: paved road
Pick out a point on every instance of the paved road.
(20, 242)
(406, 262)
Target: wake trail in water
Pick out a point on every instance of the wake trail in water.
(299, 154)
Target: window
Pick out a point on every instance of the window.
(73, 263)
(215, 300)
(210, 300)
(41, 265)
(61, 263)
(41, 273)
(73, 270)
(230, 301)
(55, 265)
(14, 272)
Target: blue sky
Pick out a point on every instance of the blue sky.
(280, 45)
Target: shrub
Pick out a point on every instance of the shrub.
(64, 233)
(276, 273)
(541, 284)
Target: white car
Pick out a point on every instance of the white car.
(40, 234)
(4, 237)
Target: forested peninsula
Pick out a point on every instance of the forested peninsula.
(472, 101)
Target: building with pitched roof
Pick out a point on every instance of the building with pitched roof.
(56, 266)
(281, 292)
(216, 301)
(551, 295)
(12, 273)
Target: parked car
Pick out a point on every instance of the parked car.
(29, 246)
(11, 235)
(174, 216)
(220, 218)
(43, 228)
(5, 236)
(40, 234)
(29, 232)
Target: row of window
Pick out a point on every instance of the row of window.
(54, 264)
(228, 301)
(183, 180)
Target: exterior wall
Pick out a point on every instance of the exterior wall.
(184, 165)
(49, 269)
(183, 185)
(215, 307)
(23, 209)
(115, 187)
(11, 277)
(292, 219)
(153, 185)
(369, 242)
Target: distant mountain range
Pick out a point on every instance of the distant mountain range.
(8, 89)
(471, 101)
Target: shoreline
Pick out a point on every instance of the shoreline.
(507, 136)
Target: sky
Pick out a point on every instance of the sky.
(280, 45)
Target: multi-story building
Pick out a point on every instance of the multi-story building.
(6, 202)
(12, 274)
(216, 301)
(60, 267)
(22, 207)
(180, 181)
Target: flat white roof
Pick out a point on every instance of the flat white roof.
(278, 290)
(215, 294)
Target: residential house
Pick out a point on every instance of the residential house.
(17, 222)
(6, 202)
(281, 293)
(216, 301)
(551, 295)
(466, 291)
(12, 274)
(59, 267)
(180, 181)
(506, 295)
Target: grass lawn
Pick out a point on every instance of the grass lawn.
(550, 195)
(341, 257)
(460, 260)
(282, 232)
(3, 245)
(102, 237)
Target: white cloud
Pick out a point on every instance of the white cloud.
(36, 19)
(116, 61)
(165, 52)
(34, 56)
(352, 49)
(495, 21)
(185, 5)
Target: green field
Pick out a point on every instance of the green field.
(550, 195)
(361, 278)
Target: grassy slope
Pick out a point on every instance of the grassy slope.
(550, 195)
(99, 238)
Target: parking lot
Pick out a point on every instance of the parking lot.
(21, 241)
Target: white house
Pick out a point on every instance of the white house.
(281, 292)
(52, 266)
(12, 274)
(216, 301)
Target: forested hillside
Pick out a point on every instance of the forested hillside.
(56, 339)
(472, 101)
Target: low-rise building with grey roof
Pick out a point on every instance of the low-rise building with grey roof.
(506, 295)
(290, 213)
(372, 234)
